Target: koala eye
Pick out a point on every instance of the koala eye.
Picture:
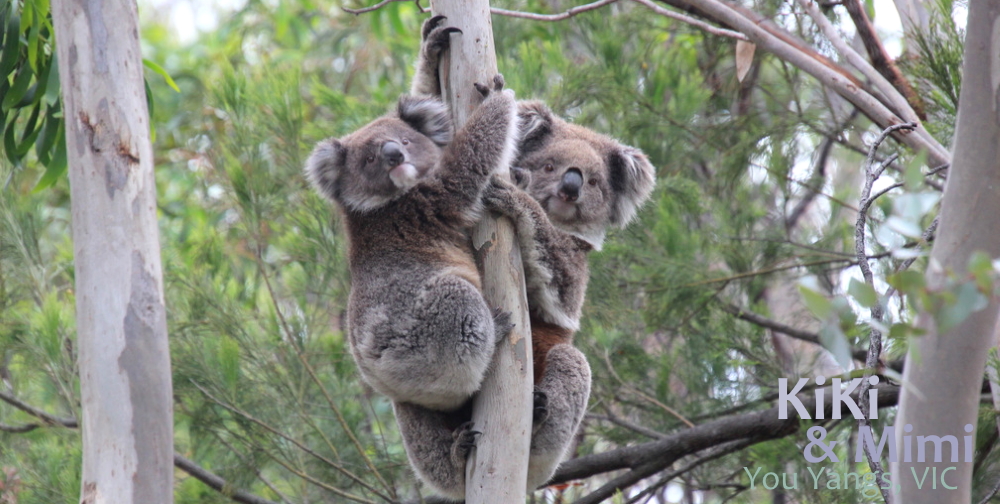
(592, 181)
(371, 159)
(549, 167)
(406, 141)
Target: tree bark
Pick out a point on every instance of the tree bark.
(944, 372)
(497, 469)
(124, 360)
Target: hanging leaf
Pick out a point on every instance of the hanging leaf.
(744, 58)
(158, 69)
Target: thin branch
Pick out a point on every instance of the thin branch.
(19, 429)
(776, 326)
(875, 336)
(247, 463)
(300, 446)
(551, 17)
(315, 378)
(697, 23)
(676, 414)
(379, 5)
(819, 175)
(886, 91)
(880, 57)
(610, 418)
(782, 44)
(37, 413)
(216, 483)
(717, 452)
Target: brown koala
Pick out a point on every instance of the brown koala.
(419, 329)
(578, 183)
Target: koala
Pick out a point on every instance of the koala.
(571, 185)
(409, 189)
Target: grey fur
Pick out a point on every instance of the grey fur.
(419, 328)
(555, 237)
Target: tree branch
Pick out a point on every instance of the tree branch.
(552, 17)
(37, 413)
(714, 30)
(379, 5)
(216, 483)
(653, 456)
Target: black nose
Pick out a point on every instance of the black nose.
(572, 181)
(392, 152)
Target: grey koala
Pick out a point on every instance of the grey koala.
(409, 189)
(578, 183)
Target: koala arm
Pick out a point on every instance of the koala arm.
(555, 262)
(486, 142)
(435, 39)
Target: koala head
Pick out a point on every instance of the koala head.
(384, 159)
(585, 181)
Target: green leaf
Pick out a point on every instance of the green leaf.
(158, 69)
(907, 282)
(12, 39)
(57, 166)
(968, 299)
(30, 132)
(19, 89)
(863, 293)
(817, 303)
(834, 340)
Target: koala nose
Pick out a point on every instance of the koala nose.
(572, 181)
(392, 152)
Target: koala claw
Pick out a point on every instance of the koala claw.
(465, 441)
(498, 84)
(502, 324)
(430, 25)
(520, 177)
(540, 408)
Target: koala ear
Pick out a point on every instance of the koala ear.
(632, 178)
(429, 116)
(534, 124)
(324, 166)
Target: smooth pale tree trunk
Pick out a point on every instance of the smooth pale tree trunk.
(497, 468)
(944, 372)
(125, 384)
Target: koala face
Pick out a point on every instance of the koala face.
(383, 160)
(585, 181)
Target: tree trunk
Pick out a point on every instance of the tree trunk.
(944, 372)
(497, 468)
(124, 360)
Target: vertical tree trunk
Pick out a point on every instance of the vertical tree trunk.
(497, 469)
(125, 384)
(944, 372)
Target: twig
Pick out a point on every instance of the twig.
(776, 326)
(717, 452)
(991, 493)
(379, 5)
(19, 429)
(643, 395)
(885, 89)
(216, 483)
(300, 446)
(315, 378)
(880, 57)
(782, 44)
(819, 175)
(551, 17)
(37, 413)
(697, 23)
(645, 431)
(875, 336)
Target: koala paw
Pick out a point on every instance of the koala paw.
(520, 177)
(498, 84)
(501, 324)
(437, 38)
(540, 408)
(498, 196)
(464, 441)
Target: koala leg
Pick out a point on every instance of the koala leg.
(436, 351)
(437, 445)
(565, 388)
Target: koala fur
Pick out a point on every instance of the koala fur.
(559, 219)
(409, 188)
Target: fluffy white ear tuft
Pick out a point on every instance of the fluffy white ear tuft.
(632, 180)
(429, 116)
(324, 166)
